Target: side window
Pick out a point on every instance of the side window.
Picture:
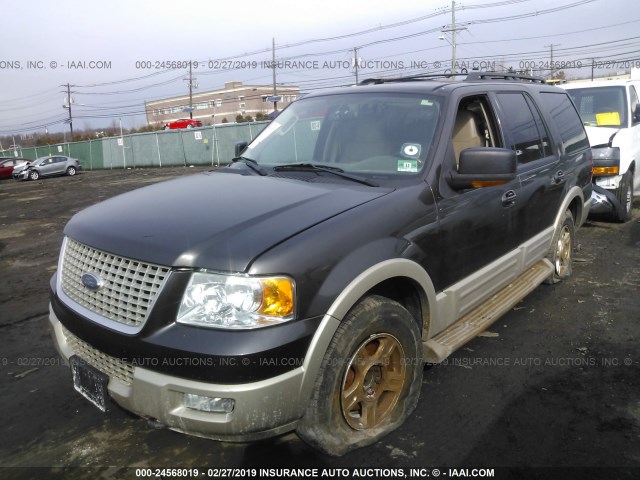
(567, 121)
(635, 119)
(542, 129)
(475, 126)
(523, 127)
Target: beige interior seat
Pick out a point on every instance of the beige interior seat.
(465, 133)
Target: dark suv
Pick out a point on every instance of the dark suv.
(365, 231)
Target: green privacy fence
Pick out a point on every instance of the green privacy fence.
(198, 146)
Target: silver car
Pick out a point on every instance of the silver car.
(47, 166)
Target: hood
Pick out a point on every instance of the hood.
(599, 136)
(20, 168)
(220, 221)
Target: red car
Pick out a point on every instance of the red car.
(8, 163)
(182, 123)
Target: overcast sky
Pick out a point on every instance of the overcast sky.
(48, 44)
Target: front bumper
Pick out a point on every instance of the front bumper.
(262, 409)
(603, 201)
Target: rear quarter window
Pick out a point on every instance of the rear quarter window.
(566, 120)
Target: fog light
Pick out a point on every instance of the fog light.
(209, 404)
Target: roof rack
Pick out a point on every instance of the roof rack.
(421, 76)
(470, 77)
(477, 76)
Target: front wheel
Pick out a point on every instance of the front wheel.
(71, 171)
(624, 194)
(369, 381)
(561, 249)
(34, 175)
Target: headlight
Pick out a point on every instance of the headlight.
(237, 302)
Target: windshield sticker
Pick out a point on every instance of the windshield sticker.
(408, 166)
(411, 150)
(315, 125)
(426, 102)
(608, 119)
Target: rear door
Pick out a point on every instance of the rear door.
(59, 165)
(540, 176)
(570, 141)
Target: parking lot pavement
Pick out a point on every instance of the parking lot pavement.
(555, 382)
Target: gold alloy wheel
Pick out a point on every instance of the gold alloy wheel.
(373, 381)
(563, 252)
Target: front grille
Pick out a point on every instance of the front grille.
(129, 286)
(107, 364)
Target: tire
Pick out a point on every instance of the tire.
(560, 253)
(624, 194)
(34, 175)
(369, 381)
(71, 171)
(189, 126)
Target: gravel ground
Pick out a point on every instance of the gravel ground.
(555, 383)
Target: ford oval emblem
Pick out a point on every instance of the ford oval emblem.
(91, 280)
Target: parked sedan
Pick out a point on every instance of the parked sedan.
(182, 123)
(47, 166)
(7, 164)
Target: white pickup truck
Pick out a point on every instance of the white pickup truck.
(610, 111)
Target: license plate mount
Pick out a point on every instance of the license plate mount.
(90, 382)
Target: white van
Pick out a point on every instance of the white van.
(610, 111)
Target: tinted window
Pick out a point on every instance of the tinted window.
(542, 129)
(525, 136)
(566, 120)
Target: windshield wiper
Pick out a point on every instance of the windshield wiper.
(312, 167)
(251, 163)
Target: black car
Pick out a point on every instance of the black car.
(364, 232)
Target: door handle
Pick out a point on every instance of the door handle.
(509, 198)
(558, 178)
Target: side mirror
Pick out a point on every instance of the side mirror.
(240, 147)
(483, 167)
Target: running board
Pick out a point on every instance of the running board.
(480, 318)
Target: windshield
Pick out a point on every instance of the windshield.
(601, 106)
(363, 133)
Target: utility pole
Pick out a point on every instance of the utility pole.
(68, 107)
(191, 87)
(593, 63)
(453, 36)
(550, 46)
(355, 61)
(273, 64)
(453, 31)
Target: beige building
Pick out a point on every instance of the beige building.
(232, 100)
